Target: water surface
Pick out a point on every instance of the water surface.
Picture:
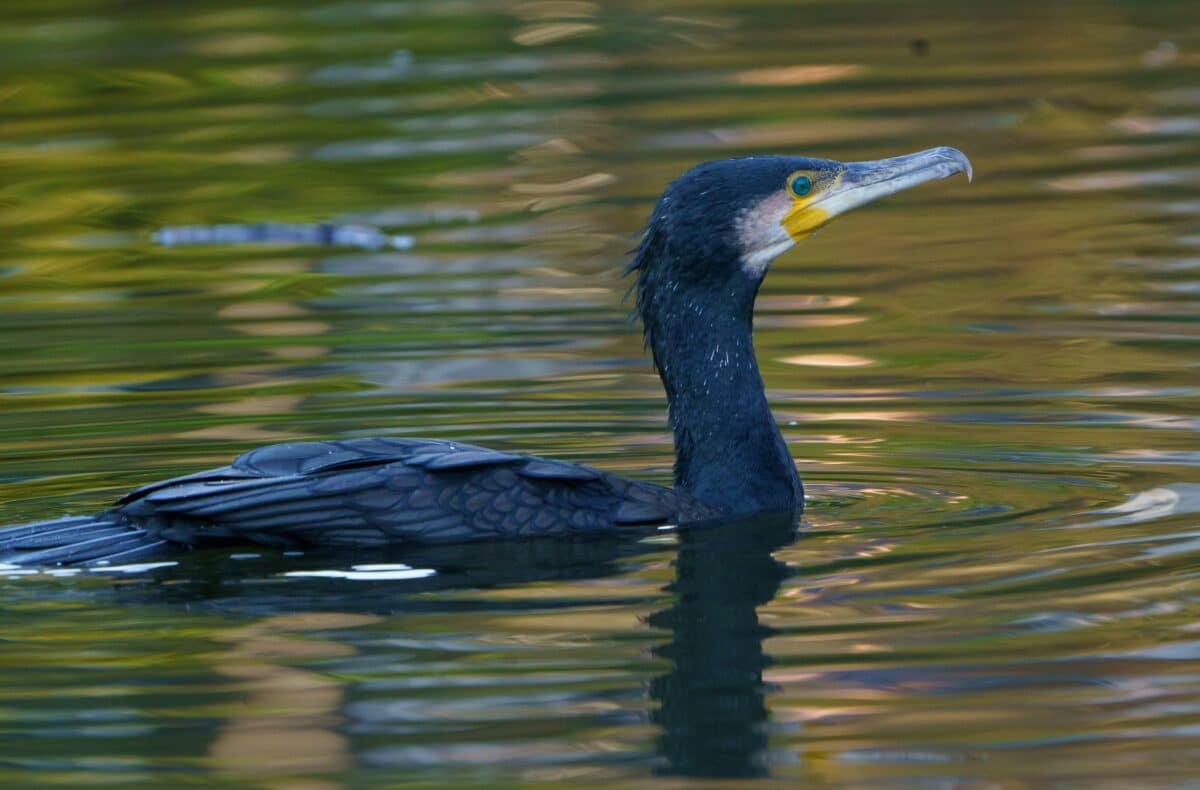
(991, 391)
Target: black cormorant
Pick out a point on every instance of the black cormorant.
(706, 248)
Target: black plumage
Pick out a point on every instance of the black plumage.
(379, 491)
(706, 249)
(358, 492)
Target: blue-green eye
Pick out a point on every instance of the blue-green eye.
(801, 186)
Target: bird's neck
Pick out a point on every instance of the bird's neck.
(729, 452)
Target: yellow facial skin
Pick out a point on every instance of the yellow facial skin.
(805, 217)
(837, 187)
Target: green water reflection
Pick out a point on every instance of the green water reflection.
(991, 391)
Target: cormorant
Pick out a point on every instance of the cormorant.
(703, 255)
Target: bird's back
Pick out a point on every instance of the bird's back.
(366, 492)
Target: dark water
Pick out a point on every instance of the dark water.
(991, 391)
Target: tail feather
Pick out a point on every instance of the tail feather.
(77, 540)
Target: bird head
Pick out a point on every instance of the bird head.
(722, 223)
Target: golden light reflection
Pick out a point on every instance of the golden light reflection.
(298, 352)
(829, 360)
(239, 311)
(590, 181)
(798, 75)
(1184, 125)
(546, 292)
(536, 35)
(551, 271)
(263, 154)
(253, 313)
(275, 266)
(243, 44)
(1123, 179)
(1117, 152)
(234, 287)
(547, 149)
(553, 203)
(239, 433)
(792, 302)
(861, 648)
(287, 722)
(263, 76)
(263, 404)
(283, 328)
(896, 415)
(839, 438)
(875, 549)
(800, 321)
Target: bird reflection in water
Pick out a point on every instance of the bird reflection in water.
(712, 702)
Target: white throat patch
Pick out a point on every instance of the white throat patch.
(761, 234)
